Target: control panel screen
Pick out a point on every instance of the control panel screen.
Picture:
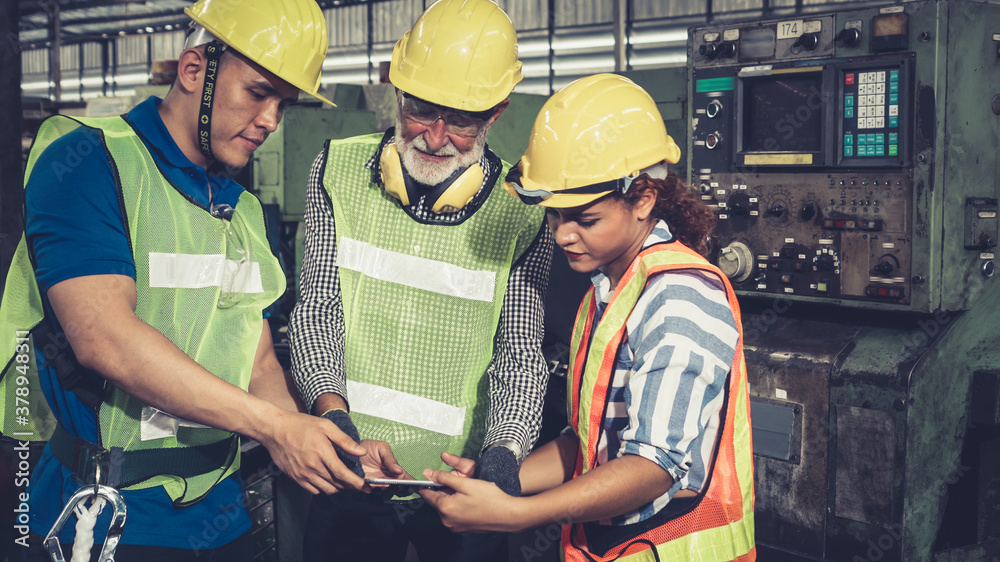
(783, 113)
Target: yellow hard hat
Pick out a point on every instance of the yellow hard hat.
(286, 37)
(591, 138)
(460, 54)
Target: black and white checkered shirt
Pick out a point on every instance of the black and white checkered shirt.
(517, 374)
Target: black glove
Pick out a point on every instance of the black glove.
(343, 421)
(499, 465)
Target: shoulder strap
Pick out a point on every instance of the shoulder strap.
(59, 355)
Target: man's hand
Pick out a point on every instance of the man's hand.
(378, 461)
(303, 447)
(499, 465)
(460, 465)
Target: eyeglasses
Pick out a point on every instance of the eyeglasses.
(237, 271)
(457, 122)
(536, 196)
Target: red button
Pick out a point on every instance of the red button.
(883, 292)
(849, 78)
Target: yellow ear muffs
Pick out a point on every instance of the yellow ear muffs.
(392, 174)
(450, 196)
(459, 192)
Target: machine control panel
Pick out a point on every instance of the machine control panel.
(806, 159)
(843, 235)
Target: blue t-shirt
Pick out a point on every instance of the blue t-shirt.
(75, 227)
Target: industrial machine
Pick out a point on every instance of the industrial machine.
(852, 161)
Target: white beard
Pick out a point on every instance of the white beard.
(434, 173)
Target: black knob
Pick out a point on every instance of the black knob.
(808, 211)
(884, 268)
(824, 263)
(738, 209)
(705, 189)
(849, 37)
(727, 49)
(708, 50)
(807, 41)
(777, 210)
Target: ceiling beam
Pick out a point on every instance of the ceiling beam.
(122, 17)
(29, 7)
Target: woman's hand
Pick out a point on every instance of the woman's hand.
(470, 505)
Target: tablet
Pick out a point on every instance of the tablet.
(408, 483)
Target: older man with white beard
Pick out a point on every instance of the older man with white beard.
(419, 324)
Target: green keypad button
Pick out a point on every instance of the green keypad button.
(893, 138)
(894, 121)
(848, 139)
(848, 113)
(848, 150)
(849, 101)
(893, 150)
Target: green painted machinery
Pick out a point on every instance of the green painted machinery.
(852, 160)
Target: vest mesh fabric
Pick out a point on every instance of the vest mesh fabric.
(162, 220)
(720, 526)
(412, 340)
(21, 397)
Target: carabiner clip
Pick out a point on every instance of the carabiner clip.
(85, 493)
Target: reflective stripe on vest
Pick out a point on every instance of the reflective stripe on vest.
(421, 308)
(720, 526)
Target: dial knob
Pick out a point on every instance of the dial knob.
(808, 41)
(736, 261)
(808, 211)
(708, 50)
(705, 189)
(884, 268)
(727, 49)
(824, 262)
(737, 208)
(849, 37)
(776, 210)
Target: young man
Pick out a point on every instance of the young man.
(143, 277)
(422, 287)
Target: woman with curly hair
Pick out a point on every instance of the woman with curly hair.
(657, 461)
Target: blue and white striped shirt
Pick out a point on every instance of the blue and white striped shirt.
(670, 377)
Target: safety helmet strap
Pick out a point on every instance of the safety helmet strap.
(213, 54)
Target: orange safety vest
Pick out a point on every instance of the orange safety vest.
(719, 527)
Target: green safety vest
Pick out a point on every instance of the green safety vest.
(24, 414)
(186, 260)
(421, 309)
(720, 526)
